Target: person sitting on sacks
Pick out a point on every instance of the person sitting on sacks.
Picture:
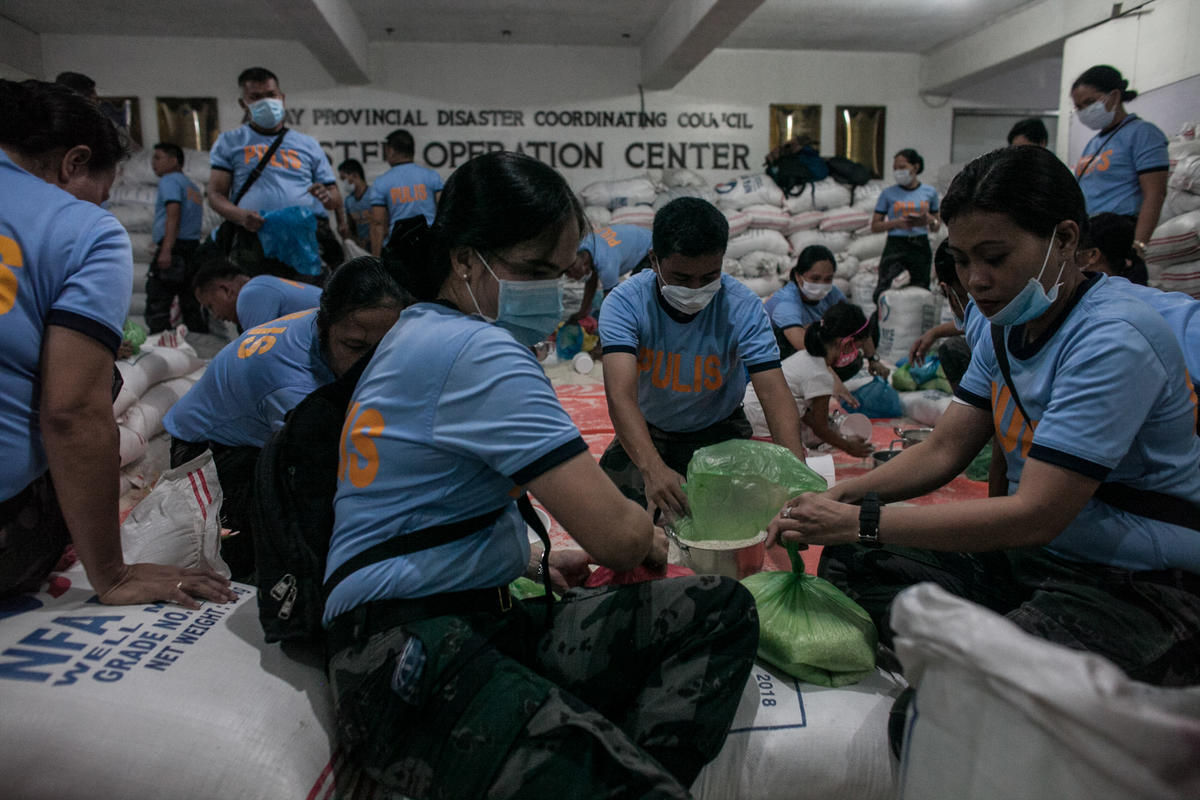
(256, 379)
(66, 276)
(1096, 545)
(445, 685)
(232, 295)
(296, 172)
(810, 379)
(606, 255)
(679, 341)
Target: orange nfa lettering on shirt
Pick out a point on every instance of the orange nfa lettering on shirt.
(1099, 162)
(679, 372)
(360, 464)
(409, 194)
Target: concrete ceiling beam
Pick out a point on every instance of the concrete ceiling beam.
(684, 36)
(332, 32)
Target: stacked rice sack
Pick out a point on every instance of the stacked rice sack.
(155, 378)
(131, 201)
(1173, 252)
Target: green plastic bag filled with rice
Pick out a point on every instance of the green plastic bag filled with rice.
(809, 628)
(736, 487)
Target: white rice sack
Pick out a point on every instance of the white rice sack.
(804, 221)
(846, 266)
(760, 263)
(739, 222)
(170, 337)
(757, 239)
(1180, 277)
(1179, 149)
(870, 265)
(145, 416)
(866, 195)
(151, 366)
(1176, 240)
(143, 246)
(178, 523)
(904, 314)
(598, 215)
(731, 266)
(140, 270)
(799, 204)
(132, 193)
(769, 217)
(788, 734)
(640, 215)
(674, 193)
(868, 246)
(132, 445)
(674, 178)
(210, 220)
(614, 194)
(862, 286)
(765, 286)
(842, 285)
(926, 406)
(836, 241)
(134, 217)
(749, 190)
(1186, 175)
(829, 194)
(1177, 204)
(844, 219)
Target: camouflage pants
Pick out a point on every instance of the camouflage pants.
(675, 449)
(33, 535)
(629, 694)
(1147, 623)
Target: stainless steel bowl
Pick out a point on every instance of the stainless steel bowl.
(911, 436)
(882, 457)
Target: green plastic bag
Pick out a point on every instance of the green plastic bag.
(902, 379)
(525, 589)
(736, 487)
(134, 334)
(810, 629)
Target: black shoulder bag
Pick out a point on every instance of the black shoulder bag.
(1142, 502)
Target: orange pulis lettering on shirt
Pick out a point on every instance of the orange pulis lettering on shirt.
(254, 344)
(1093, 163)
(409, 194)
(194, 197)
(902, 208)
(1018, 432)
(10, 259)
(284, 159)
(363, 425)
(712, 373)
(669, 371)
(608, 235)
(296, 314)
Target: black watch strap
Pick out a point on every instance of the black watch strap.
(868, 521)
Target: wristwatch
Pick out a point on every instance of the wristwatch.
(868, 521)
(873, 357)
(1140, 247)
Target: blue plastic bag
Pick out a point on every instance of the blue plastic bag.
(569, 341)
(928, 370)
(878, 400)
(290, 235)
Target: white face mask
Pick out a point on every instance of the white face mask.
(1096, 116)
(902, 177)
(685, 299)
(815, 291)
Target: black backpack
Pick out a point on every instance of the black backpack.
(848, 172)
(792, 171)
(295, 480)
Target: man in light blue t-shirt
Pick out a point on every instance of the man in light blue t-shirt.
(234, 296)
(358, 207)
(606, 255)
(178, 214)
(405, 191)
(296, 172)
(679, 341)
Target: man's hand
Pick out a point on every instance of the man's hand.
(154, 583)
(814, 519)
(251, 220)
(344, 231)
(664, 488)
(163, 261)
(656, 559)
(569, 568)
(323, 195)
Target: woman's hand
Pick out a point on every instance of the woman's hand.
(569, 568)
(814, 519)
(916, 353)
(876, 367)
(156, 583)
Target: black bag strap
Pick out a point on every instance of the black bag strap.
(1100, 149)
(1142, 502)
(259, 167)
(535, 522)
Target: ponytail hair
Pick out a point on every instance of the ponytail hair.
(841, 320)
(38, 118)
(1105, 79)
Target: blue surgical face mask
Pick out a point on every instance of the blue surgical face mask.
(529, 310)
(267, 113)
(1032, 301)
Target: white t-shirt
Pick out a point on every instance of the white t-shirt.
(807, 376)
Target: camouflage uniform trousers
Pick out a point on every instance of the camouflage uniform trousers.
(675, 449)
(629, 694)
(33, 535)
(1147, 623)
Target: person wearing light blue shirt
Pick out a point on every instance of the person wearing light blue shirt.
(250, 385)
(358, 206)
(405, 191)
(66, 272)
(606, 255)
(178, 214)
(231, 295)
(679, 341)
(1096, 543)
(907, 210)
(297, 172)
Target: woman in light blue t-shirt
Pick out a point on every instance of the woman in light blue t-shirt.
(1096, 544)
(907, 210)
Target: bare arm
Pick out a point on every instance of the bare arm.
(589, 295)
(817, 418)
(379, 221)
(880, 223)
(663, 484)
(219, 184)
(1154, 192)
(916, 353)
(795, 336)
(81, 444)
(779, 407)
(170, 234)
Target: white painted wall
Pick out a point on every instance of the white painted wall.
(1152, 50)
(733, 85)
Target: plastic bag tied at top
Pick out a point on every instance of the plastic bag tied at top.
(809, 628)
(290, 235)
(736, 487)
